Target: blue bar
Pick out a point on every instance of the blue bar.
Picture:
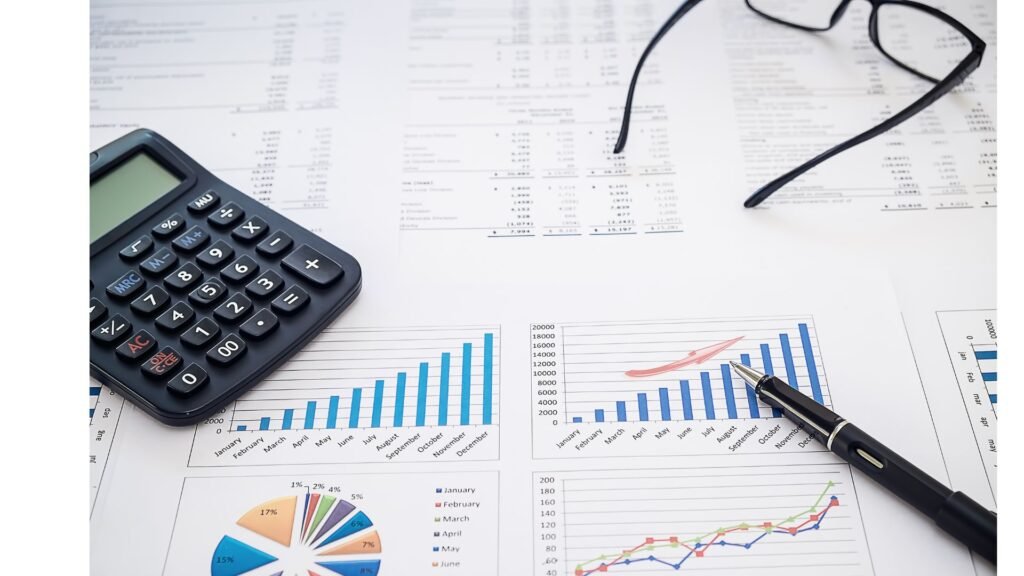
(985, 354)
(286, 423)
(684, 390)
(378, 403)
(399, 399)
(576, 419)
(787, 355)
(265, 423)
(755, 410)
(709, 402)
(641, 401)
(812, 368)
(730, 399)
(467, 367)
(988, 376)
(766, 361)
(310, 414)
(242, 428)
(598, 415)
(353, 415)
(332, 412)
(666, 412)
(94, 390)
(488, 376)
(442, 399)
(993, 398)
(421, 396)
(620, 411)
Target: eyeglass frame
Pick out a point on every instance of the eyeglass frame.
(968, 65)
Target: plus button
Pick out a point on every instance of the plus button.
(313, 265)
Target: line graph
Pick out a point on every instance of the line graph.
(791, 519)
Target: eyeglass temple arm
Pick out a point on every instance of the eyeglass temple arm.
(961, 72)
(679, 13)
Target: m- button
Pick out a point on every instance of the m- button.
(313, 266)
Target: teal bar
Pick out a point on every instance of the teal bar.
(442, 399)
(332, 412)
(467, 369)
(488, 376)
(353, 415)
(421, 396)
(378, 403)
(812, 367)
(286, 423)
(310, 414)
(400, 399)
(265, 423)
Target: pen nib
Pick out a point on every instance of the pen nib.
(749, 375)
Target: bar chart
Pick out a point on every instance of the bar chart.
(769, 519)
(367, 395)
(655, 380)
(104, 414)
(971, 340)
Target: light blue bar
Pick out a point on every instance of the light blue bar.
(988, 376)
(666, 412)
(310, 414)
(332, 412)
(766, 361)
(576, 419)
(598, 415)
(488, 376)
(787, 356)
(242, 428)
(353, 415)
(421, 396)
(400, 399)
(755, 410)
(265, 423)
(985, 354)
(709, 402)
(812, 367)
(641, 401)
(442, 399)
(467, 368)
(730, 399)
(620, 411)
(286, 423)
(684, 390)
(378, 403)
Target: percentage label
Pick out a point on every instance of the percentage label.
(268, 512)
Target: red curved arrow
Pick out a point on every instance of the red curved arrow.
(694, 357)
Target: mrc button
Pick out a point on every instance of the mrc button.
(126, 285)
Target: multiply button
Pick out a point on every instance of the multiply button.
(162, 363)
(137, 346)
(203, 203)
(126, 285)
(111, 329)
(313, 266)
(250, 230)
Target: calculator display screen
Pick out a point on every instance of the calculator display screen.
(126, 190)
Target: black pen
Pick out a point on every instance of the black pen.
(963, 518)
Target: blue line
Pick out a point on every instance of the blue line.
(598, 415)
(812, 367)
(421, 396)
(787, 355)
(684, 391)
(442, 400)
(286, 423)
(378, 403)
(332, 412)
(400, 399)
(755, 410)
(766, 361)
(467, 368)
(353, 416)
(310, 414)
(265, 423)
(488, 376)
(666, 412)
(641, 401)
(730, 399)
(620, 411)
(709, 402)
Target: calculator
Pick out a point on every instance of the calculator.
(198, 291)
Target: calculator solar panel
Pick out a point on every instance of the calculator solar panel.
(198, 291)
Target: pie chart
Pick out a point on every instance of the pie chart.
(315, 534)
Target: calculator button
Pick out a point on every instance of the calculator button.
(233, 308)
(227, 350)
(136, 249)
(208, 292)
(240, 270)
(190, 379)
(201, 334)
(151, 301)
(137, 346)
(250, 230)
(179, 315)
(192, 240)
(262, 323)
(313, 266)
(226, 215)
(262, 287)
(112, 329)
(185, 277)
(291, 301)
(97, 310)
(127, 285)
(216, 255)
(159, 262)
(204, 202)
(168, 226)
(163, 363)
(274, 244)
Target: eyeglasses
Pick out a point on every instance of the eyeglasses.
(920, 39)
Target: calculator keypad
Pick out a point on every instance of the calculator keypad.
(250, 230)
(313, 266)
(226, 215)
(240, 270)
(216, 255)
(190, 379)
(136, 347)
(264, 286)
(201, 334)
(151, 301)
(184, 278)
(228, 350)
(177, 317)
(208, 292)
(233, 308)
